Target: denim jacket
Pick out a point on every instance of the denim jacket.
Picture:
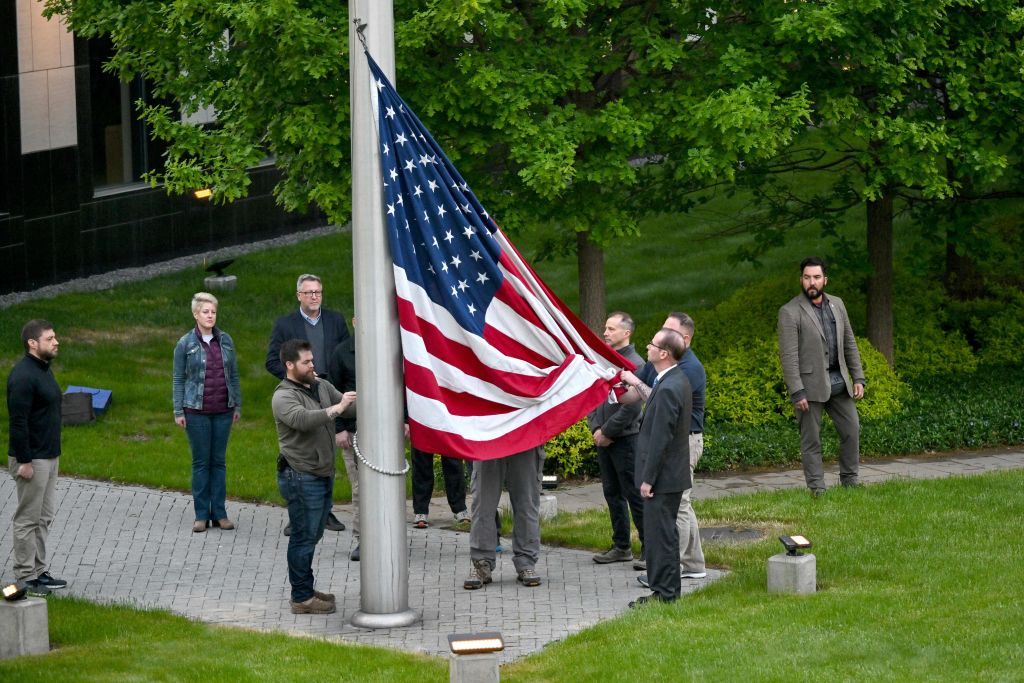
(190, 372)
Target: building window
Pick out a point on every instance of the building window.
(121, 146)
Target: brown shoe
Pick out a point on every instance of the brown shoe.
(326, 597)
(199, 526)
(312, 606)
(225, 524)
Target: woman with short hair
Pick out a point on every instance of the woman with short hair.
(207, 400)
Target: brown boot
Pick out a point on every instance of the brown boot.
(225, 524)
(313, 606)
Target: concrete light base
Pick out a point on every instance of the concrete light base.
(223, 283)
(792, 574)
(482, 668)
(548, 506)
(24, 628)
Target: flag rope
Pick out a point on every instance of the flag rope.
(375, 468)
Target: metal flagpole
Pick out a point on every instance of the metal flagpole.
(384, 566)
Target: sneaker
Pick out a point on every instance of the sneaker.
(642, 580)
(463, 517)
(326, 597)
(354, 555)
(528, 577)
(36, 589)
(420, 521)
(312, 606)
(45, 579)
(691, 574)
(614, 555)
(334, 524)
(479, 575)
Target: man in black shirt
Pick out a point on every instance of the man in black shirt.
(33, 404)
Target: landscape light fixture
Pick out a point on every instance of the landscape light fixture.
(475, 643)
(203, 193)
(14, 591)
(549, 481)
(794, 544)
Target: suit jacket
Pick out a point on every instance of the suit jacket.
(663, 447)
(342, 372)
(802, 349)
(292, 326)
(616, 420)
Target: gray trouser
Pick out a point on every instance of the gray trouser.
(691, 554)
(37, 503)
(843, 411)
(521, 473)
(348, 456)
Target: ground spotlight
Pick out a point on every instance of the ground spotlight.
(794, 544)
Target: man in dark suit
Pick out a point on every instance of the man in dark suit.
(615, 426)
(323, 328)
(663, 463)
(821, 364)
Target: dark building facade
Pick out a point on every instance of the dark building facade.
(72, 154)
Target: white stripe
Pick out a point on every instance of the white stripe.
(434, 414)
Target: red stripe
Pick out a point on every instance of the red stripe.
(422, 381)
(589, 338)
(535, 433)
(462, 357)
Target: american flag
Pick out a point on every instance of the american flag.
(494, 362)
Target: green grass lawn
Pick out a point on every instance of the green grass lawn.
(918, 580)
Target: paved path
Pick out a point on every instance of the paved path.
(134, 545)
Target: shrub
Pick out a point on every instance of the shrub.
(925, 349)
(1002, 335)
(572, 453)
(746, 387)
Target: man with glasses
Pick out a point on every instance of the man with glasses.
(323, 328)
(663, 463)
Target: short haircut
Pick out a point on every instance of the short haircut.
(627, 320)
(685, 322)
(292, 349)
(33, 330)
(672, 342)
(200, 298)
(814, 261)
(307, 277)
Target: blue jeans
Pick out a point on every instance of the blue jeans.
(208, 437)
(309, 502)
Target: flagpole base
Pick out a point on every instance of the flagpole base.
(369, 620)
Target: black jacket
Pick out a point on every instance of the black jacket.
(342, 372)
(663, 447)
(292, 326)
(33, 403)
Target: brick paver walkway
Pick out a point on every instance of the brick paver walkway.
(134, 545)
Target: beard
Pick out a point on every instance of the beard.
(48, 355)
(813, 292)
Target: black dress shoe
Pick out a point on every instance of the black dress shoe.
(288, 530)
(653, 597)
(334, 524)
(354, 555)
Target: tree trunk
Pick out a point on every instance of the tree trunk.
(590, 264)
(880, 282)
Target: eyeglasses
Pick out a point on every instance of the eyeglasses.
(651, 343)
(313, 292)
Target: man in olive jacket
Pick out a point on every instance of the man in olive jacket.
(821, 364)
(304, 410)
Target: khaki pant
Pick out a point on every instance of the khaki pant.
(37, 503)
(691, 554)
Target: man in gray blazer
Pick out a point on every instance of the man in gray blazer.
(615, 426)
(663, 463)
(822, 369)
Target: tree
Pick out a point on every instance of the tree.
(577, 118)
(580, 118)
(915, 105)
